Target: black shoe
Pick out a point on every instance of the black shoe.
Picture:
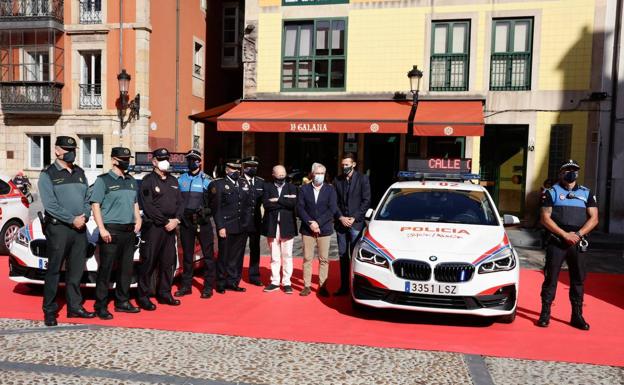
(80, 313)
(342, 291)
(236, 288)
(103, 314)
(169, 301)
(220, 290)
(50, 319)
(288, 289)
(256, 282)
(183, 291)
(126, 307)
(323, 292)
(544, 318)
(145, 304)
(271, 287)
(577, 319)
(206, 294)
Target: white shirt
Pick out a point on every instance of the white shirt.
(317, 191)
(279, 193)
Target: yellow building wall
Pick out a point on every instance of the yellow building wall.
(545, 120)
(269, 52)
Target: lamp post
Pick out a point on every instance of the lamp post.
(124, 103)
(414, 76)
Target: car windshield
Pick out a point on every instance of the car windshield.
(435, 205)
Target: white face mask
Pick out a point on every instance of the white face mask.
(163, 165)
(318, 179)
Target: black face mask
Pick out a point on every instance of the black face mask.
(234, 175)
(123, 164)
(251, 171)
(279, 181)
(347, 170)
(193, 165)
(69, 157)
(570, 176)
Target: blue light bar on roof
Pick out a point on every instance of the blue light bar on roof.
(415, 175)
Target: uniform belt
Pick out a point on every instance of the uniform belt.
(51, 220)
(120, 227)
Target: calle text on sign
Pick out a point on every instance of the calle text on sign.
(456, 165)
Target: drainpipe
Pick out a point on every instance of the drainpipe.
(177, 99)
(120, 36)
(613, 114)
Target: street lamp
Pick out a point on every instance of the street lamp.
(124, 103)
(414, 76)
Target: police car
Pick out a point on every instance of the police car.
(436, 243)
(13, 212)
(28, 263)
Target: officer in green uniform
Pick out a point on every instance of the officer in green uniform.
(116, 212)
(63, 188)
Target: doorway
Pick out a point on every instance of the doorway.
(381, 162)
(304, 149)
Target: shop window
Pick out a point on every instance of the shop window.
(510, 65)
(230, 41)
(40, 151)
(560, 145)
(314, 55)
(450, 56)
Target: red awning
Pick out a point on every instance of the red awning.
(449, 118)
(211, 114)
(387, 117)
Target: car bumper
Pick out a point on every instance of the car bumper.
(493, 294)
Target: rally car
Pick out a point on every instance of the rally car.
(437, 244)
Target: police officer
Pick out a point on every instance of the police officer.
(116, 212)
(569, 213)
(63, 188)
(196, 224)
(163, 208)
(232, 202)
(256, 184)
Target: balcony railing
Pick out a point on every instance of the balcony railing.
(90, 11)
(90, 97)
(510, 72)
(31, 9)
(31, 98)
(449, 72)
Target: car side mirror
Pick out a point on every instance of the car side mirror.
(369, 214)
(510, 220)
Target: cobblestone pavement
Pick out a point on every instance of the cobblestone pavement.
(84, 354)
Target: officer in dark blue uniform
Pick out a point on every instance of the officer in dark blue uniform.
(256, 184)
(196, 223)
(163, 207)
(231, 197)
(569, 213)
(116, 212)
(63, 189)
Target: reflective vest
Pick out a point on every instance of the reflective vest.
(569, 206)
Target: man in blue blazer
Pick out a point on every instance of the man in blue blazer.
(354, 199)
(316, 206)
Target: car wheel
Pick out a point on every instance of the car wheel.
(507, 319)
(9, 231)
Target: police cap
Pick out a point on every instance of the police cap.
(65, 142)
(193, 154)
(570, 163)
(161, 153)
(121, 152)
(233, 163)
(251, 160)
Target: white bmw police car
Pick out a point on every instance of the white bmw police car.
(436, 243)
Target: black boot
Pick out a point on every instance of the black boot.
(544, 318)
(577, 319)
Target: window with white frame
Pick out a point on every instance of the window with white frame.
(37, 65)
(230, 43)
(90, 80)
(92, 152)
(39, 151)
(198, 59)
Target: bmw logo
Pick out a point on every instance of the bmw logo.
(433, 258)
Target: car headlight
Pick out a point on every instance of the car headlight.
(368, 256)
(504, 261)
(21, 238)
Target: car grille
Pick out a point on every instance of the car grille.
(38, 247)
(412, 270)
(453, 272)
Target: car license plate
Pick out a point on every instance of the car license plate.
(430, 288)
(43, 263)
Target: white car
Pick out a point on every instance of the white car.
(13, 212)
(437, 246)
(28, 263)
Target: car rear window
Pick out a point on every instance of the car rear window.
(440, 206)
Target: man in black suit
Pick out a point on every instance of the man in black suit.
(256, 186)
(354, 199)
(279, 226)
(231, 198)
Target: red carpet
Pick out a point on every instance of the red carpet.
(311, 319)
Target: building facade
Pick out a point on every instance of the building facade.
(537, 67)
(60, 62)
